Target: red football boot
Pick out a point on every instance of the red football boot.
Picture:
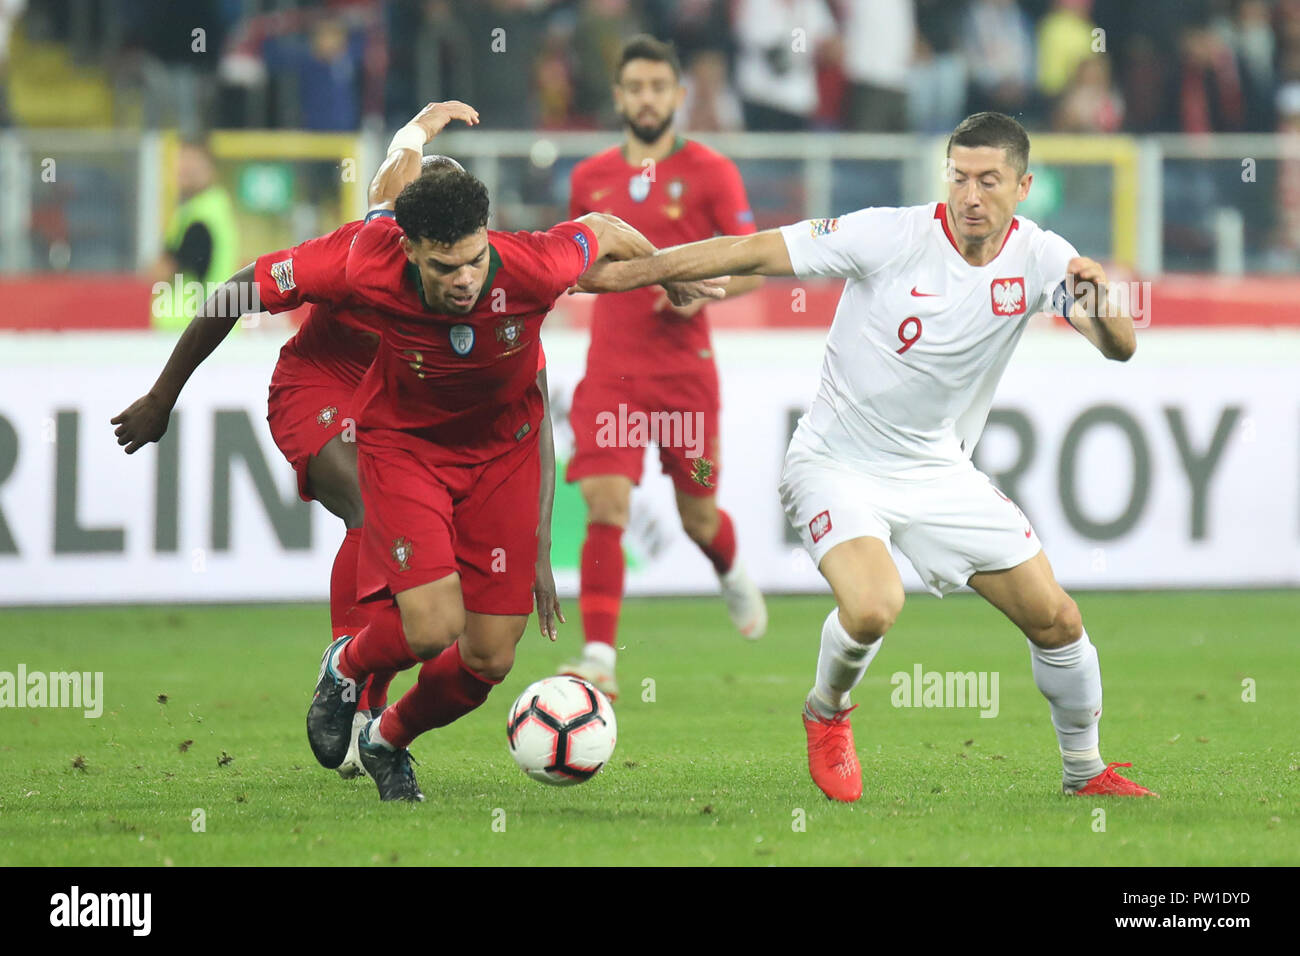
(832, 759)
(1110, 784)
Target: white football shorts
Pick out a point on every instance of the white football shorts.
(949, 526)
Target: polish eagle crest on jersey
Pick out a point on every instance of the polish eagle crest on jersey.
(1008, 296)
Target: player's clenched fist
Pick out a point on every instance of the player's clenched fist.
(1082, 269)
(144, 420)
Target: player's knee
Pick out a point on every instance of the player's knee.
(493, 666)
(607, 509)
(869, 617)
(1068, 622)
(430, 634)
(1059, 624)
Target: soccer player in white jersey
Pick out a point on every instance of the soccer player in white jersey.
(936, 299)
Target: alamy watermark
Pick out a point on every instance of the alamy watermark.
(923, 688)
(636, 429)
(83, 690)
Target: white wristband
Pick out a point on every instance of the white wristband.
(409, 136)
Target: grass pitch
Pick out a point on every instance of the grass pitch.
(204, 712)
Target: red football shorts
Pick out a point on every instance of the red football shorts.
(427, 518)
(614, 418)
(306, 408)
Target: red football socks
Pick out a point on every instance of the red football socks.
(601, 582)
(722, 549)
(346, 616)
(445, 691)
(381, 646)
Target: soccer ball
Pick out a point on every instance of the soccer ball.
(561, 730)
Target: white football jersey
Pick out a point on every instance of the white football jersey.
(921, 337)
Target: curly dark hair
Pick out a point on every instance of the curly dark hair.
(442, 208)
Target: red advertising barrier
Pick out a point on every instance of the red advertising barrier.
(105, 301)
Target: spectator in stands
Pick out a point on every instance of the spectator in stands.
(776, 70)
(201, 239)
(690, 25)
(1090, 104)
(1210, 97)
(1065, 39)
(504, 37)
(999, 45)
(598, 37)
(10, 11)
(1285, 252)
(936, 83)
(327, 71)
(711, 105)
(1249, 34)
(880, 38)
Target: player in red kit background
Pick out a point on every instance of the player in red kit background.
(448, 457)
(649, 357)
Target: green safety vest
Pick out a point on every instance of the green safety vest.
(211, 207)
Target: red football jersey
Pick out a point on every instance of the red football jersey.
(694, 193)
(332, 338)
(467, 383)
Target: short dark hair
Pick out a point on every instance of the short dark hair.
(436, 164)
(645, 47)
(994, 129)
(442, 208)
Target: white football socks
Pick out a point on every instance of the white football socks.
(1070, 678)
(841, 663)
(600, 653)
(374, 737)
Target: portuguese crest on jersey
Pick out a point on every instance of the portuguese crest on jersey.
(462, 339)
(326, 416)
(1008, 296)
(401, 552)
(510, 334)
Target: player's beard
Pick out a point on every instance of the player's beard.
(648, 134)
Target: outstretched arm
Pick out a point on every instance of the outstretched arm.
(406, 151)
(145, 420)
(548, 603)
(619, 242)
(1095, 315)
(762, 254)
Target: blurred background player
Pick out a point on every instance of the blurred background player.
(201, 238)
(650, 357)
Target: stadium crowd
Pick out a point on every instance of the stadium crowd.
(1085, 66)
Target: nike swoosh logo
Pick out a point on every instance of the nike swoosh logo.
(924, 294)
(600, 194)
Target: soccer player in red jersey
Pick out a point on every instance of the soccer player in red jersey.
(311, 403)
(448, 457)
(649, 358)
